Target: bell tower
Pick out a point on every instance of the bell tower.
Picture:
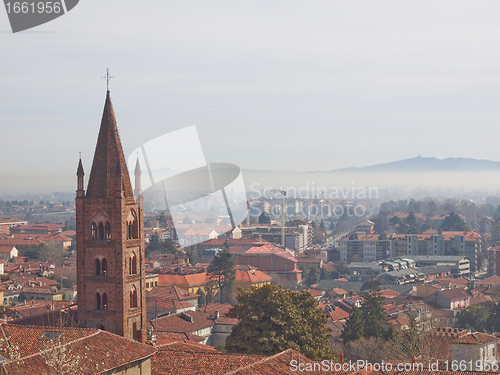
(110, 240)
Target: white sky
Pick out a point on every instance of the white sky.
(299, 85)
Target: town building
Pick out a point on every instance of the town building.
(276, 262)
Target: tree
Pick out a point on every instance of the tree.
(323, 274)
(474, 318)
(353, 328)
(312, 276)
(409, 342)
(369, 320)
(222, 270)
(264, 218)
(273, 319)
(453, 222)
(161, 246)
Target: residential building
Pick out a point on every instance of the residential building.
(7, 252)
(276, 262)
(364, 248)
(476, 350)
(450, 299)
(494, 260)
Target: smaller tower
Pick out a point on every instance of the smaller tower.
(137, 174)
(138, 190)
(80, 192)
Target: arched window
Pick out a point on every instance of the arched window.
(101, 231)
(130, 230)
(93, 231)
(132, 226)
(98, 301)
(104, 267)
(132, 264)
(134, 331)
(104, 301)
(98, 269)
(133, 297)
(107, 231)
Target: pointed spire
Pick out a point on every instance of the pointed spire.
(80, 173)
(104, 181)
(138, 174)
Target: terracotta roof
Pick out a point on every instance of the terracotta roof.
(475, 338)
(97, 350)
(454, 293)
(492, 280)
(211, 308)
(170, 337)
(180, 322)
(185, 280)
(264, 248)
(253, 276)
(170, 292)
(183, 358)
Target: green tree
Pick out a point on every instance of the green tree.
(312, 276)
(453, 222)
(161, 246)
(223, 271)
(273, 319)
(323, 274)
(474, 318)
(264, 218)
(353, 328)
(374, 314)
(369, 320)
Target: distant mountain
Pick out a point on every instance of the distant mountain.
(421, 164)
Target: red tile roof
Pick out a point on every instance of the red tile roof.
(475, 338)
(264, 248)
(94, 351)
(170, 292)
(183, 358)
(180, 322)
(253, 276)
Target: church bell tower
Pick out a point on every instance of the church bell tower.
(110, 240)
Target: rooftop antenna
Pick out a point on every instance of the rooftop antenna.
(107, 77)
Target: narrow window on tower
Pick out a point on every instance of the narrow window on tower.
(104, 267)
(98, 269)
(93, 231)
(104, 301)
(132, 226)
(107, 231)
(101, 231)
(133, 264)
(133, 297)
(98, 301)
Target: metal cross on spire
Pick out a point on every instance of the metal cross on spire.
(107, 77)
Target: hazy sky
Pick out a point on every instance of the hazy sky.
(300, 85)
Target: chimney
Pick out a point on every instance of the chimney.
(216, 314)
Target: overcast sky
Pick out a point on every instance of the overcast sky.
(299, 85)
